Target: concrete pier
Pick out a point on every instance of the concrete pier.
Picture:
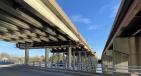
(69, 57)
(46, 57)
(26, 56)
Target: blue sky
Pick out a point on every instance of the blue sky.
(93, 18)
(11, 49)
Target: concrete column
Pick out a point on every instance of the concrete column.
(132, 52)
(79, 57)
(138, 52)
(63, 60)
(58, 59)
(46, 56)
(82, 60)
(66, 61)
(130, 48)
(114, 60)
(90, 62)
(134, 45)
(79, 60)
(74, 60)
(63, 57)
(86, 60)
(26, 56)
(69, 57)
(121, 46)
(52, 60)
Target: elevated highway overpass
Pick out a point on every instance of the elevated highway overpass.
(35, 24)
(122, 49)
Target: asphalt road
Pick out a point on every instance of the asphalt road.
(19, 71)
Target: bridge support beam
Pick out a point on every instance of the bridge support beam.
(46, 57)
(26, 56)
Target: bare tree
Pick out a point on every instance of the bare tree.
(2, 55)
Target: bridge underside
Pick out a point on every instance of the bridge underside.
(35, 24)
(22, 22)
(26, 25)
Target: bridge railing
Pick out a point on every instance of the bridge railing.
(95, 68)
(76, 67)
(120, 69)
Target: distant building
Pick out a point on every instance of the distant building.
(4, 59)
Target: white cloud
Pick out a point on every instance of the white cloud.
(81, 19)
(110, 9)
(90, 25)
(114, 10)
(103, 9)
(92, 28)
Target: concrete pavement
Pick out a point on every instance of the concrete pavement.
(22, 71)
